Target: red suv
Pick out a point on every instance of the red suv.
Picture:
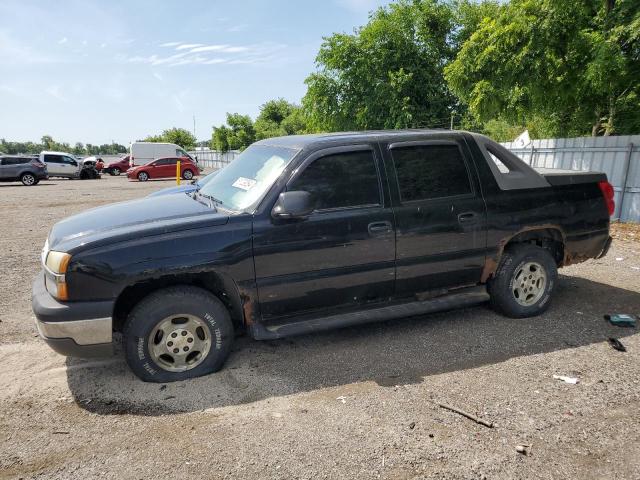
(116, 168)
(164, 168)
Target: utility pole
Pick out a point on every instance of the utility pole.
(452, 114)
(194, 126)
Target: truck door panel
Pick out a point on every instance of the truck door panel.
(343, 254)
(440, 216)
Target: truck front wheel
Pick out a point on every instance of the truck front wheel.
(177, 333)
(525, 279)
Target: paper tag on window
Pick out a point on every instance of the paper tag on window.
(244, 183)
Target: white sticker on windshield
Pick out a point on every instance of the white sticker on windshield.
(244, 183)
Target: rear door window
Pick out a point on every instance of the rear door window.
(52, 158)
(341, 180)
(430, 171)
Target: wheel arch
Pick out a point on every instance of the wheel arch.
(221, 286)
(549, 237)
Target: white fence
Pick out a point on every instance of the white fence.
(618, 157)
(213, 159)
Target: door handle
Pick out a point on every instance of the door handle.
(467, 217)
(379, 228)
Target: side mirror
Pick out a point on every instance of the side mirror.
(293, 205)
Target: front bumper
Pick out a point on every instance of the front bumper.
(76, 329)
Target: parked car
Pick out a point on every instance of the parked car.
(93, 161)
(186, 188)
(164, 168)
(307, 233)
(22, 168)
(61, 164)
(146, 152)
(116, 168)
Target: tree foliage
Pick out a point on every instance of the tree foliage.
(276, 118)
(569, 66)
(387, 74)
(179, 136)
(48, 143)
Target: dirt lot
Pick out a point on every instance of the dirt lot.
(353, 403)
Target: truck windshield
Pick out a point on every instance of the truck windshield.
(242, 184)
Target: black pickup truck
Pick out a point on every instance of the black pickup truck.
(306, 233)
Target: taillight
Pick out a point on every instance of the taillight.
(37, 164)
(607, 192)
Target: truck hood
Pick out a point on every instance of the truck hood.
(133, 219)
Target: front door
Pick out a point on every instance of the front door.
(440, 216)
(343, 254)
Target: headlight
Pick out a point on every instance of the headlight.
(56, 264)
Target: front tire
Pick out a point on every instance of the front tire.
(143, 176)
(177, 333)
(523, 284)
(115, 171)
(187, 174)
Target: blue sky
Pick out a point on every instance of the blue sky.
(96, 71)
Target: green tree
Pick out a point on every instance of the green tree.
(237, 134)
(569, 66)
(388, 74)
(179, 136)
(278, 118)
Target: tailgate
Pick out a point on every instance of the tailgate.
(558, 177)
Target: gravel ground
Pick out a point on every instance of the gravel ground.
(353, 403)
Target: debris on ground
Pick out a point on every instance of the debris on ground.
(621, 319)
(412, 425)
(466, 414)
(565, 379)
(523, 449)
(342, 399)
(617, 344)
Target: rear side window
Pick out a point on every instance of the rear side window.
(430, 171)
(15, 160)
(342, 180)
(53, 158)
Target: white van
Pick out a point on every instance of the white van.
(146, 152)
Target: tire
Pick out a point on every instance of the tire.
(115, 171)
(524, 281)
(143, 176)
(28, 179)
(166, 314)
(187, 174)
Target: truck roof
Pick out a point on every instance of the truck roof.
(301, 141)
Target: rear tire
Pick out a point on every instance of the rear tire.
(28, 179)
(177, 333)
(524, 281)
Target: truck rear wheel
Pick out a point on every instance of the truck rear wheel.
(525, 279)
(177, 333)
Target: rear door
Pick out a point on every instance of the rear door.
(440, 215)
(343, 254)
(55, 164)
(7, 169)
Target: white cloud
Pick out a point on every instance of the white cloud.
(186, 46)
(56, 92)
(209, 48)
(170, 44)
(157, 76)
(238, 28)
(63, 40)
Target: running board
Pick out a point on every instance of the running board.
(460, 299)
